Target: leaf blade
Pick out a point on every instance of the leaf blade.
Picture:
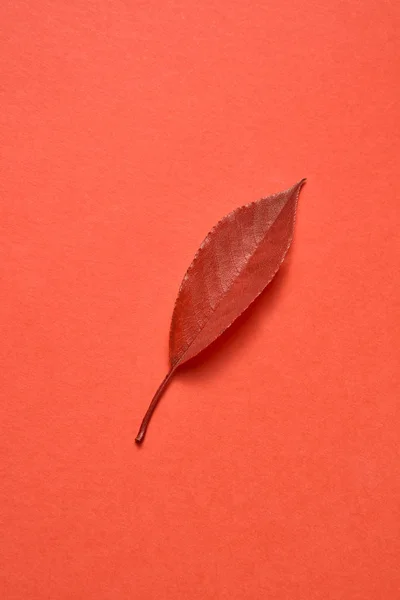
(266, 231)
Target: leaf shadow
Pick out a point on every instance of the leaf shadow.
(239, 333)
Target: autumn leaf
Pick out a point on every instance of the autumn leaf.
(234, 264)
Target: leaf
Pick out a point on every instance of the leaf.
(235, 262)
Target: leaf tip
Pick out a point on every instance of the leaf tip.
(297, 187)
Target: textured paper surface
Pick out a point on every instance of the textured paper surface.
(127, 130)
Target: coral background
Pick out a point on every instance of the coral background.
(271, 468)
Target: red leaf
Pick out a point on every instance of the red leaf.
(235, 262)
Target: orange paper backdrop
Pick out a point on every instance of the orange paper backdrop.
(271, 468)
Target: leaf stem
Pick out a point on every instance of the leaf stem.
(156, 398)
